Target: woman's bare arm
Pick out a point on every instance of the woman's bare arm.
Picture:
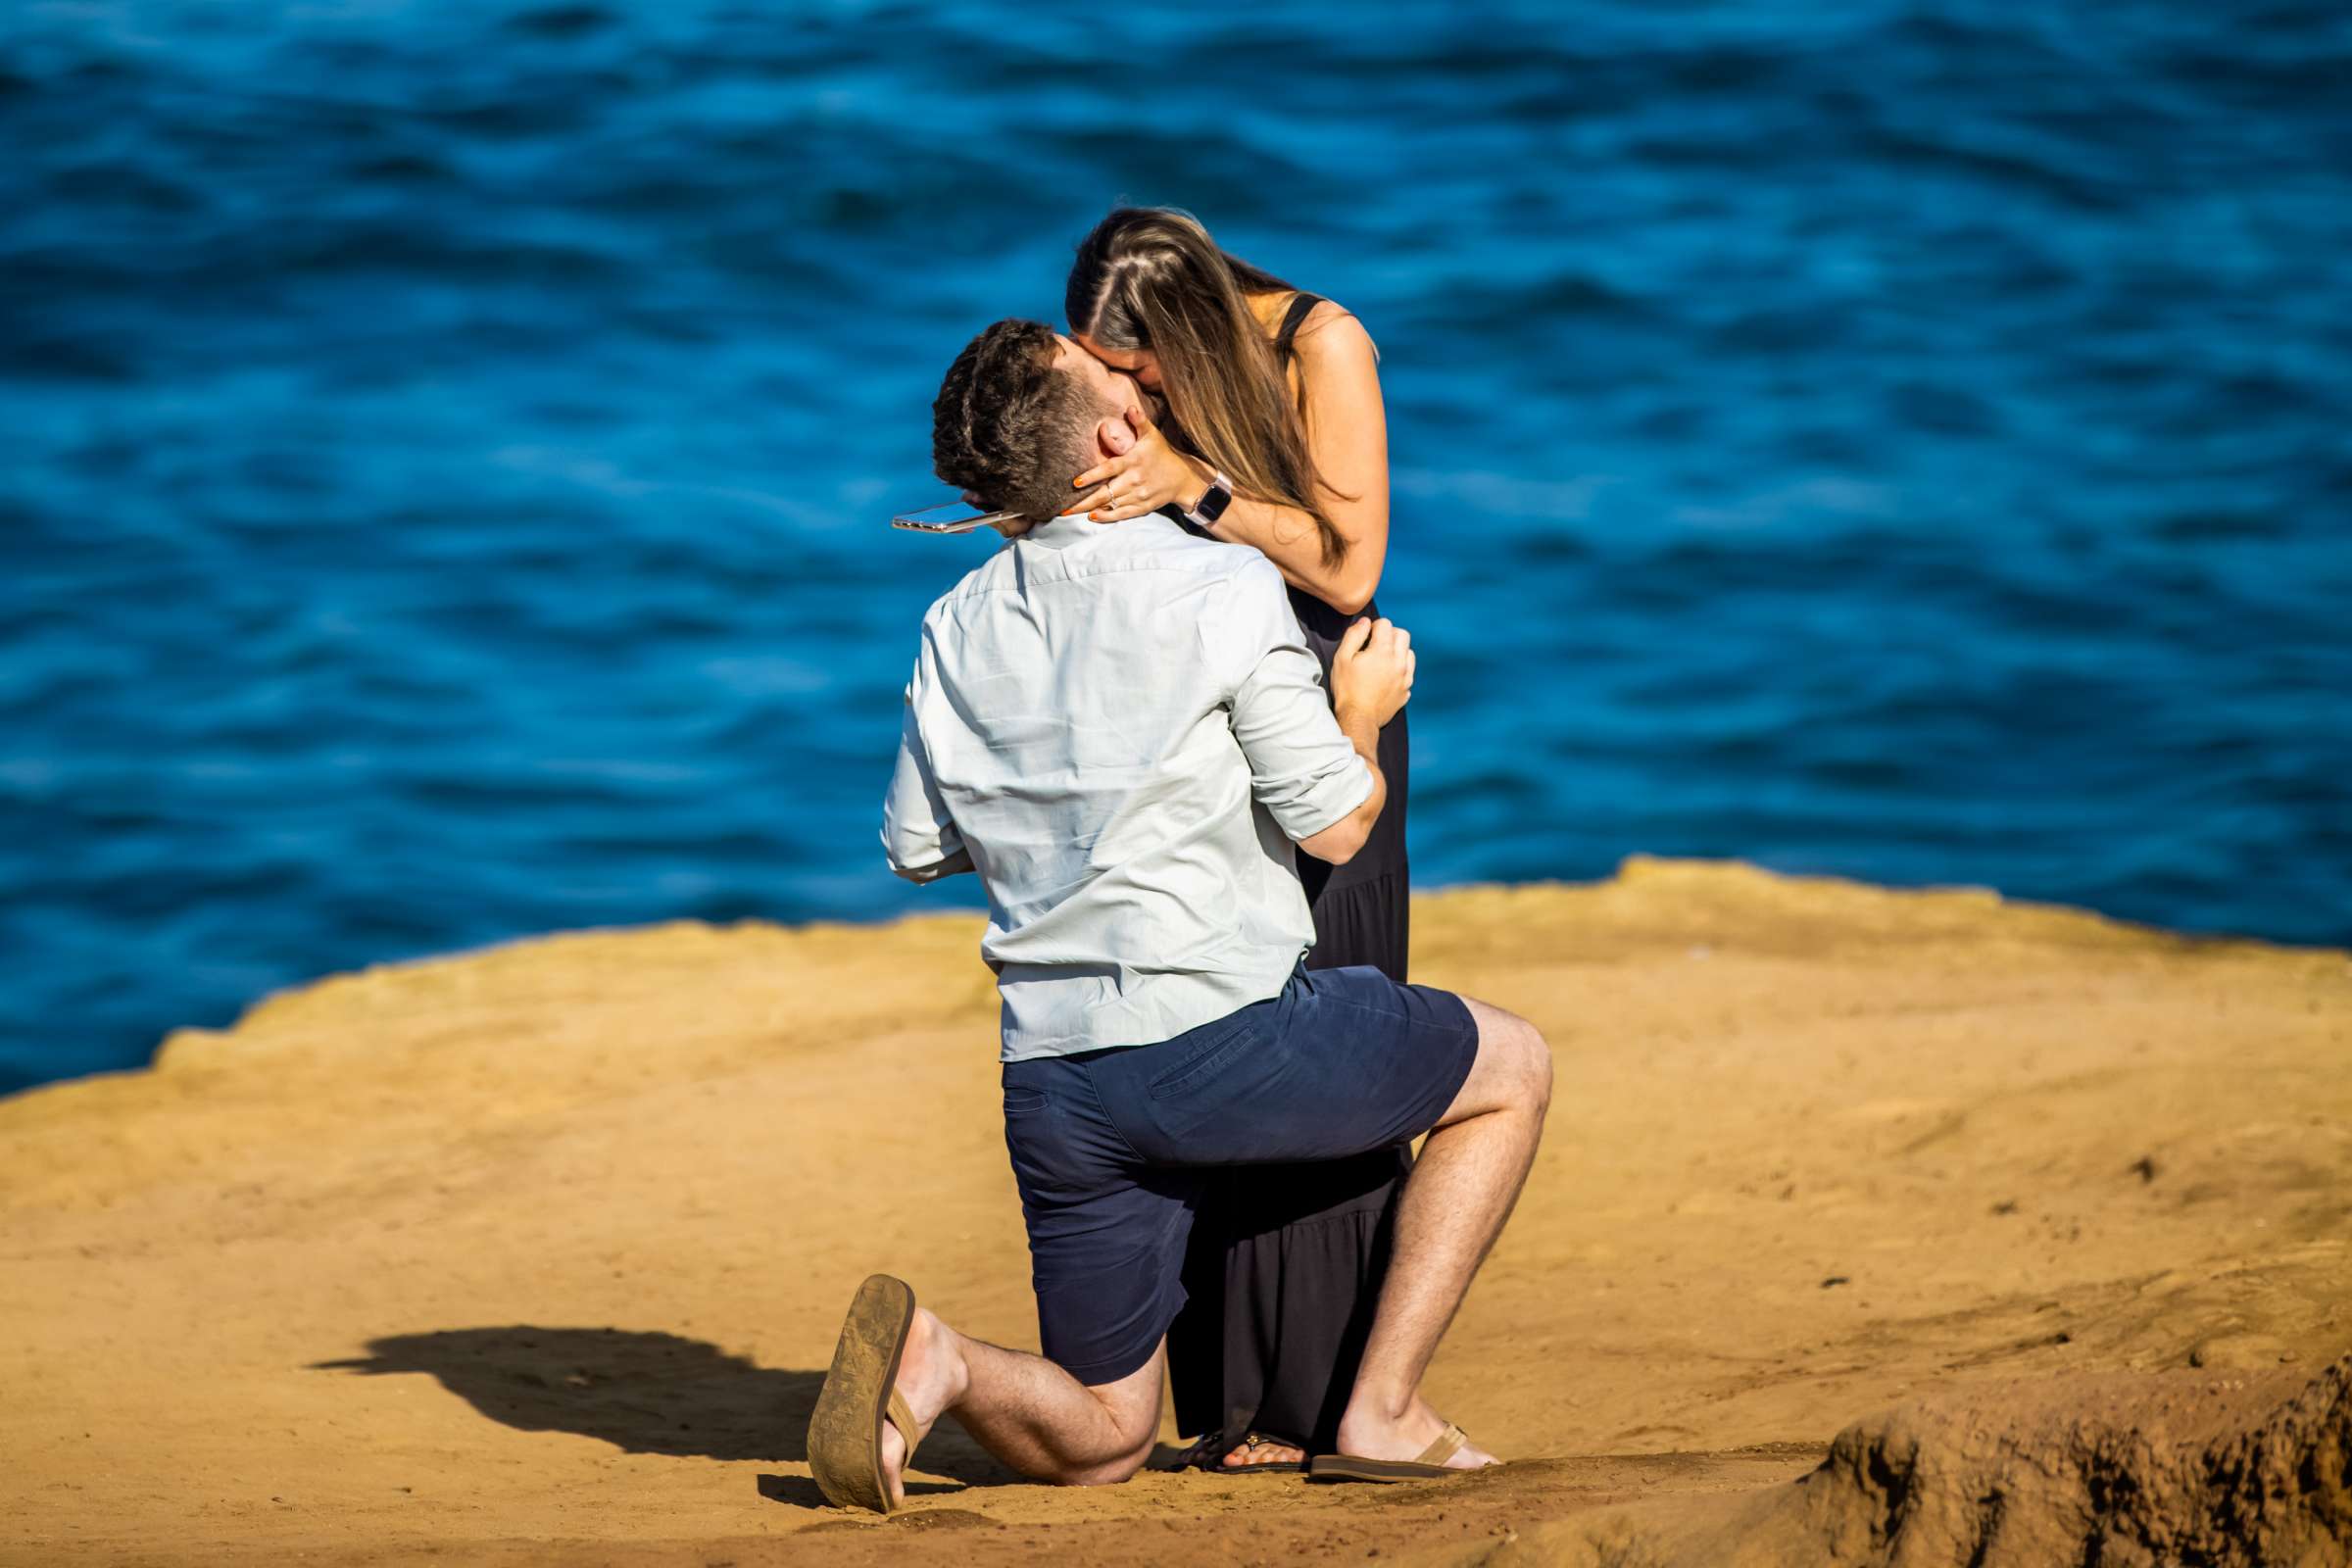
(1347, 433)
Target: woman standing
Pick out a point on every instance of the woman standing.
(1271, 395)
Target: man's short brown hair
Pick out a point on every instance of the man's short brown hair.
(1007, 427)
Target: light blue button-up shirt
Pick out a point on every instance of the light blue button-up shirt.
(1122, 730)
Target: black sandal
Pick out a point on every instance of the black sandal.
(1216, 1465)
(1207, 1453)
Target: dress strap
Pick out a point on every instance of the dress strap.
(1301, 305)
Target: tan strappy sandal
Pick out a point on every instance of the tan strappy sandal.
(1430, 1466)
(860, 1393)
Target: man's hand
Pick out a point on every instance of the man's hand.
(1372, 672)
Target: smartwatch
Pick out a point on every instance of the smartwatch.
(1205, 513)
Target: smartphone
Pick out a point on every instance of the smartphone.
(952, 517)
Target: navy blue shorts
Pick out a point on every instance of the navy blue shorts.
(1110, 1147)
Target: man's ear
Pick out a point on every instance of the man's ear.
(1113, 438)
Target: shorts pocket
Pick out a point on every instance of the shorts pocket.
(1024, 1102)
(1205, 1062)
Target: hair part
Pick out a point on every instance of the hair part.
(1150, 277)
(1010, 428)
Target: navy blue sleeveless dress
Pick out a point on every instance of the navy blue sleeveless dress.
(1286, 1261)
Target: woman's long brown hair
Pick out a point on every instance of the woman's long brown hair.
(1150, 277)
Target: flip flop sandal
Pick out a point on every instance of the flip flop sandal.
(860, 1393)
(1270, 1467)
(1430, 1466)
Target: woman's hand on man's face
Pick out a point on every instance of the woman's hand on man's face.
(1147, 478)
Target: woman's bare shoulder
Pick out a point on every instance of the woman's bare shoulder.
(1333, 332)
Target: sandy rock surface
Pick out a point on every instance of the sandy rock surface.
(538, 1254)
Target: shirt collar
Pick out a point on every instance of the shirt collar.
(1060, 534)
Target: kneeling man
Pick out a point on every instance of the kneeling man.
(1121, 730)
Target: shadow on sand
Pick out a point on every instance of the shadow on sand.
(645, 1393)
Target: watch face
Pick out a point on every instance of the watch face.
(1212, 505)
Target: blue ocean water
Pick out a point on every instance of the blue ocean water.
(447, 446)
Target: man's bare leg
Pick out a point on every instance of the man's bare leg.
(1453, 1204)
(1024, 1410)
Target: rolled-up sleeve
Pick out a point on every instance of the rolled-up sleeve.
(1302, 768)
(918, 836)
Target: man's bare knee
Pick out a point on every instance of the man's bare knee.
(1110, 1472)
(1539, 1071)
(1513, 1069)
(1133, 1406)
(1135, 1429)
(1531, 1065)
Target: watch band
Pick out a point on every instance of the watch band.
(1205, 513)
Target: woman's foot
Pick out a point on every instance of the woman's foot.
(1258, 1449)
